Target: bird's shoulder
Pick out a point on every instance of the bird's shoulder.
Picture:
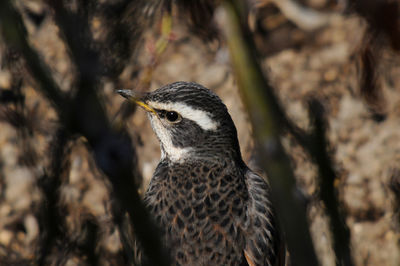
(264, 244)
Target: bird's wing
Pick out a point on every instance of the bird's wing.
(263, 242)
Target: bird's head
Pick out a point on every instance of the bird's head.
(190, 121)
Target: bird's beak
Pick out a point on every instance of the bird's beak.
(136, 98)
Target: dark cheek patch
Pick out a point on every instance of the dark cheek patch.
(186, 133)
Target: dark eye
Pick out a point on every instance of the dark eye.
(172, 116)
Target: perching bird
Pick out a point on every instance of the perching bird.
(211, 208)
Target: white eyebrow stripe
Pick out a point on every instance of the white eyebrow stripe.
(202, 118)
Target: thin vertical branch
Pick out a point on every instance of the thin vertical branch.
(14, 33)
(84, 115)
(50, 219)
(317, 148)
(267, 121)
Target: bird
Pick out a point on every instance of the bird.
(211, 208)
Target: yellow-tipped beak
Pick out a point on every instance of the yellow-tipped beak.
(145, 106)
(134, 97)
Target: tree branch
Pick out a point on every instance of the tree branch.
(263, 107)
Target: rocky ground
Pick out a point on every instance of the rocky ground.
(300, 64)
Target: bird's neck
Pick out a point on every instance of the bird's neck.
(234, 160)
(205, 152)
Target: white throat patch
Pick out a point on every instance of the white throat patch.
(202, 118)
(175, 154)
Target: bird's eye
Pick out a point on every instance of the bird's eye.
(172, 116)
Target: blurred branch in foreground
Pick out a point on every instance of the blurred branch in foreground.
(52, 225)
(317, 148)
(395, 187)
(305, 18)
(268, 120)
(83, 114)
(383, 32)
(257, 96)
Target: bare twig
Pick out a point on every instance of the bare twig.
(383, 18)
(394, 186)
(305, 18)
(84, 115)
(262, 106)
(14, 33)
(317, 149)
(268, 120)
(370, 80)
(50, 219)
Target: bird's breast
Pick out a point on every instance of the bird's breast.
(201, 211)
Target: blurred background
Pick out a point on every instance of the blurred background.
(343, 53)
